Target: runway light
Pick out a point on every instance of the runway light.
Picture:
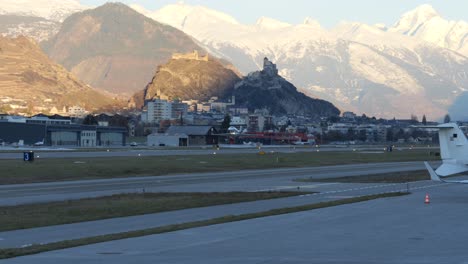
(318, 150)
(214, 153)
(37, 156)
(139, 155)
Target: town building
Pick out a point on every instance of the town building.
(158, 110)
(238, 110)
(77, 111)
(159, 139)
(349, 115)
(238, 122)
(179, 110)
(197, 135)
(62, 135)
(204, 107)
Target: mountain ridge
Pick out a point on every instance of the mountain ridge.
(115, 48)
(347, 65)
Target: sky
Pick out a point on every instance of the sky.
(327, 12)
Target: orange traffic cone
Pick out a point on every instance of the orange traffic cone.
(426, 200)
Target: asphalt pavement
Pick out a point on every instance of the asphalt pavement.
(247, 180)
(391, 230)
(326, 192)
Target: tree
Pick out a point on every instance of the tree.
(414, 119)
(390, 136)
(362, 136)
(424, 121)
(400, 134)
(90, 120)
(350, 135)
(334, 119)
(118, 120)
(447, 118)
(226, 123)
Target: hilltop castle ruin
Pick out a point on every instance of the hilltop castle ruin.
(190, 56)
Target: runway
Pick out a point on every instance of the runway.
(251, 180)
(325, 192)
(248, 180)
(391, 230)
(206, 150)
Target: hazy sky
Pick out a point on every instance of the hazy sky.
(327, 12)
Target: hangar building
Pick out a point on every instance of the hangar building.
(62, 135)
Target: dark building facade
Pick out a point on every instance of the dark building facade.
(62, 135)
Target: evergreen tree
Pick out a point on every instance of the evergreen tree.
(424, 121)
(414, 119)
(90, 120)
(390, 136)
(226, 123)
(447, 118)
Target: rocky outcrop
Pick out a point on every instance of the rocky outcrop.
(265, 89)
(187, 77)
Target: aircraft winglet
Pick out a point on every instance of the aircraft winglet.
(434, 175)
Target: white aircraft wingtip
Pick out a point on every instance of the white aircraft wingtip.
(431, 171)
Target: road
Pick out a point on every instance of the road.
(248, 180)
(391, 230)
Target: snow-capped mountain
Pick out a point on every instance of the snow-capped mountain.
(38, 19)
(425, 23)
(55, 10)
(363, 68)
(39, 29)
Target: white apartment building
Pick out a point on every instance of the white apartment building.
(77, 111)
(341, 127)
(159, 110)
(238, 121)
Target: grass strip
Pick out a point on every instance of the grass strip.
(394, 177)
(66, 169)
(34, 249)
(121, 205)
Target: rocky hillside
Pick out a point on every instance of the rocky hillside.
(31, 83)
(115, 48)
(190, 78)
(266, 89)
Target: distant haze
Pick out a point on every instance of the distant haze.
(327, 13)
